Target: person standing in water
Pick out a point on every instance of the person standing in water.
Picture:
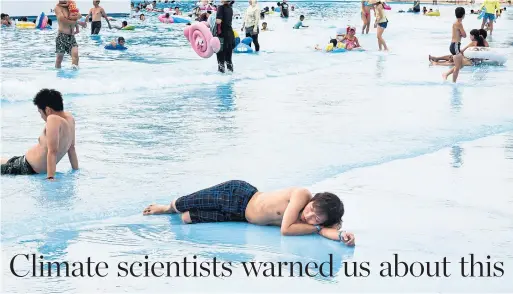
(490, 7)
(65, 43)
(458, 32)
(96, 13)
(57, 139)
(381, 23)
(251, 23)
(224, 19)
(366, 17)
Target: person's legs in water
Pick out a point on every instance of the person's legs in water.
(381, 41)
(458, 63)
(58, 60)
(74, 56)
(220, 60)
(229, 45)
(223, 202)
(255, 41)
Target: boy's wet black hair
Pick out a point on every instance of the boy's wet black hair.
(301, 16)
(334, 42)
(121, 39)
(329, 205)
(125, 23)
(459, 12)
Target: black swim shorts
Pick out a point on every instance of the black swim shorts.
(95, 27)
(455, 48)
(18, 165)
(64, 43)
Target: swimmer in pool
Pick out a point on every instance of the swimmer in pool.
(119, 42)
(299, 24)
(264, 27)
(57, 139)
(123, 25)
(295, 210)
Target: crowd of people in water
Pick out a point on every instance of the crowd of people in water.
(295, 210)
(254, 23)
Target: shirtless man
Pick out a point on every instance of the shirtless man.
(97, 12)
(65, 43)
(458, 32)
(57, 139)
(292, 209)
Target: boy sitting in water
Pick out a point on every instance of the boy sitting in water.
(299, 24)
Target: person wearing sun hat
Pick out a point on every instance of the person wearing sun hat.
(225, 33)
(381, 22)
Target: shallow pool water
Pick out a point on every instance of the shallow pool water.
(156, 121)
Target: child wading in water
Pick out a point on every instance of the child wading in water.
(458, 32)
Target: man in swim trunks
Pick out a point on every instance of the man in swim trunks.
(294, 210)
(57, 139)
(65, 43)
(96, 13)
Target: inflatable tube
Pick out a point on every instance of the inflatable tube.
(128, 28)
(433, 13)
(25, 25)
(242, 48)
(163, 19)
(386, 6)
(117, 47)
(201, 39)
(40, 21)
(488, 55)
(246, 41)
(180, 20)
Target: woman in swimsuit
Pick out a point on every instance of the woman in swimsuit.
(365, 17)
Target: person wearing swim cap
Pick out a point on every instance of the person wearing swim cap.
(295, 210)
(224, 17)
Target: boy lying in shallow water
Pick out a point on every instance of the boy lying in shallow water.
(294, 210)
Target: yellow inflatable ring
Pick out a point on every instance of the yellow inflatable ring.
(434, 13)
(25, 25)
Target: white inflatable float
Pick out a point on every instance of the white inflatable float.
(488, 55)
